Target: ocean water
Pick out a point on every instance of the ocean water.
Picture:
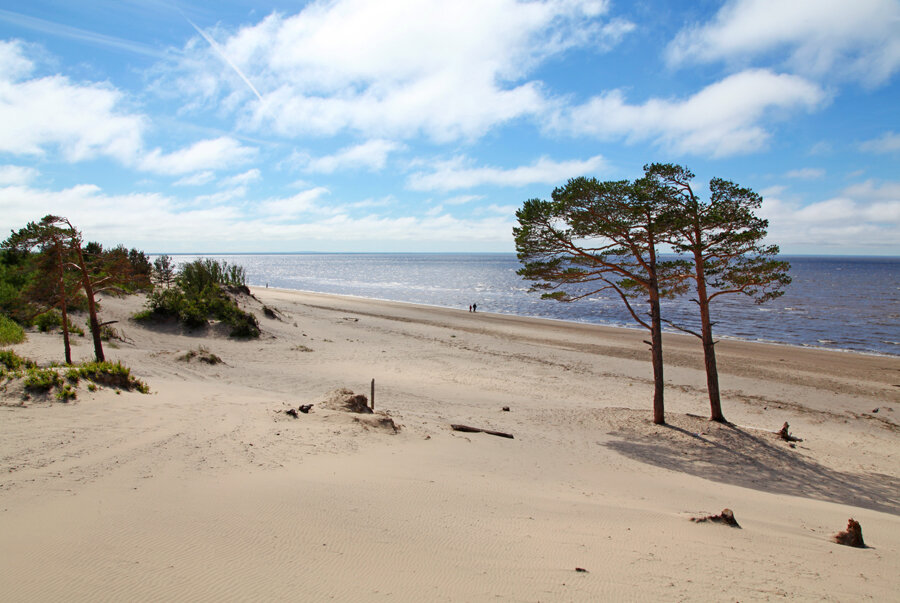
(847, 303)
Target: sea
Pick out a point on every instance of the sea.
(838, 303)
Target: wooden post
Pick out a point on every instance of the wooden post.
(373, 394)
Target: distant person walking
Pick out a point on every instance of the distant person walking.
(474, 307)
(470, 307)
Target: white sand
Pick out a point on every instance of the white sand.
(204, 491)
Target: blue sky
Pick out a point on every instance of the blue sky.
(420, 125)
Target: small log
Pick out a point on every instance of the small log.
(852, 536)
(469, 429)
(291, 412)
(304, 408)
(726, 517)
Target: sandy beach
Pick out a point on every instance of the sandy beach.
(207, 490)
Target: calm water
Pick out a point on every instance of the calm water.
(848, 303)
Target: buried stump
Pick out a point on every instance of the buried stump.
(852, 536)
(726, 517)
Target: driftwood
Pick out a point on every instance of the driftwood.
(852, 536)
(726, 517)
(785, 434)
(468, 429)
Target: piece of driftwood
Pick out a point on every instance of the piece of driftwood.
(468, 429)
(726, 517)
(304, 408)
(291, 413)
(852, 536)
(785, 434)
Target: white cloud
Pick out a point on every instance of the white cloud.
(242, 179)
(16, 174)
(456, 174)
(806, 173)
(371, 155)
(725, 118)
(82, 121)
(197, 179)
(213, 154)
(304, 202)
(889, 142)
(168, 224)
(827, 38)
(394, 68)
(863, 216)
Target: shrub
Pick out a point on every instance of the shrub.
(66, 393)
(201, 354)
(43, 380)
(13, 361)
(10, 331)
(112, 374)
(48, 320)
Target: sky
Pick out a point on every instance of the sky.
(423, 125)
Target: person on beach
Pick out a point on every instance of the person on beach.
(470, 307)
(474, 307)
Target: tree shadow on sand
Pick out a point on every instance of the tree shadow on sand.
(740, 457)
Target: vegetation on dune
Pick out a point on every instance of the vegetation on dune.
(65, 379)
(10, 331)
(203, 290)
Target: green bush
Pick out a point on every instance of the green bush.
(199, 296)
(10, 331)
(48, 320)
(37, 379)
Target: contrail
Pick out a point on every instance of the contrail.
(225, 58)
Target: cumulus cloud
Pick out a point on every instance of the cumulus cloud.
(81, 121)
(857, 40)
(452, 70)
(459, 174)
(725, 118)
(371, 155)
(863, 216)
(889, 142)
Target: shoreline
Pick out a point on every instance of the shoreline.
(207, 489)
(666, 330)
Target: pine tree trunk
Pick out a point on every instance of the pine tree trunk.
(92, 306)
(709, 346)
(659, 415)
(63, 306)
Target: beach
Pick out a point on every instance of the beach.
(207, 490)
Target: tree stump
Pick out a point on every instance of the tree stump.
(852, 536)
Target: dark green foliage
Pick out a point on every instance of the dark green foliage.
(200, 294)
(48, 321)
(10, 331)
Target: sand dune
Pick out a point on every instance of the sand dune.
(207, 490)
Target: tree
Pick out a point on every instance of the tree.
(60, 245)
(51, 240)
(596, 236)
(164, 270)
(724, 238)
